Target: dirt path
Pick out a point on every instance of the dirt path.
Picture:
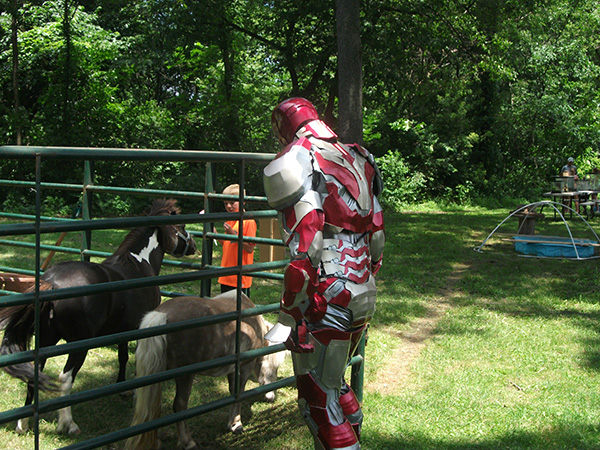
(393, 375)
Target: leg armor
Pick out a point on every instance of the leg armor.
(351, 408)
(327, 403)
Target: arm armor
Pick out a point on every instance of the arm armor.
(288, 185)
(300, 281)
(378, 233)
(377, 243)
(301, 226)
(377, 180)
(300, 278)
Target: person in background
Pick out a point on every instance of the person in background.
(569, 169)
(230, 248)
(326, 195)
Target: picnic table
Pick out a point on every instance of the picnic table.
(581, 198)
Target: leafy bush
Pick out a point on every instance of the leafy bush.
(401, 185)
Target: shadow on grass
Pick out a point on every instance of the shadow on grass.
(566, 437)
(542, 288)
(262, 421)
(422, 253)
(112, 413)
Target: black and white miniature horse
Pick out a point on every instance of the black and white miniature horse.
(139, 255)
(193, 345)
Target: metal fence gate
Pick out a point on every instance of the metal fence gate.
(37, 225)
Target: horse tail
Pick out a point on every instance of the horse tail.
(18, 324)
(150, 357)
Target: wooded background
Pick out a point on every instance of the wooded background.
(461, 100)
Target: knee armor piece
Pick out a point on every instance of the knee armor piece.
(329, 360)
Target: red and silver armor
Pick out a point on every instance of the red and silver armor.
(326, 195)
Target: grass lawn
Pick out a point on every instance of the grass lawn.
(467, 350)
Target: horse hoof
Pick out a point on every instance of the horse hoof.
(237, 428)
(22, 426)
(71, 429)
(270, 397)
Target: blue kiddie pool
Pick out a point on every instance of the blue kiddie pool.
(554, 246)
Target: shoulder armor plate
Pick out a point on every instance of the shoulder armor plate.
(289, 175)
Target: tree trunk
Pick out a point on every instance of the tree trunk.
(15, 71)
(230, 120)
(350, 82)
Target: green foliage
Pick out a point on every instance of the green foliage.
(488, 104)
(400, 185)
(497, 85)
(55, 207)
(118, 205)
(588, 161)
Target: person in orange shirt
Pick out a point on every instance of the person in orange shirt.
(230, 248)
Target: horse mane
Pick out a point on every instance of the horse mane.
(159, 207)
(163, 207)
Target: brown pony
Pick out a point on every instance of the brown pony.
(193, 345)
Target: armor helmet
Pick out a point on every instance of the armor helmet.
(289, 116)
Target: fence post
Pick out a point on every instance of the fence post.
(88, 180)
(207, 244)
(36, 320)
(358, 370)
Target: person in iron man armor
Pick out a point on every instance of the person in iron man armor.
(326, 195)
